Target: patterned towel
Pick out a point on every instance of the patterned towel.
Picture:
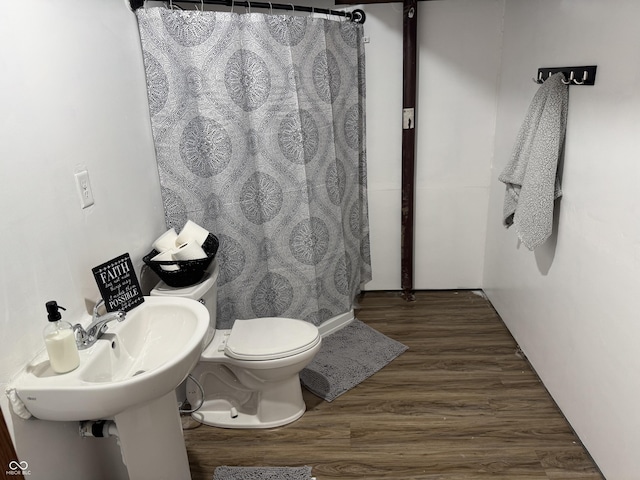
(531, 174)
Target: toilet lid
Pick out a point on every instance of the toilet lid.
(270, 338)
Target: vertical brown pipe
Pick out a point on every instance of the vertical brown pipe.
(409, 34)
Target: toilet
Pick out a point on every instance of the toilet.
(248, 376)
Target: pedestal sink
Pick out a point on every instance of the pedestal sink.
(129, 376)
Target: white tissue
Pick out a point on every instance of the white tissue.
(166, 256)
(189, 251)
(166, 241)
(192, 232)
(16, 404)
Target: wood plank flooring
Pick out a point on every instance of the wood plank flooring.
(459, 404)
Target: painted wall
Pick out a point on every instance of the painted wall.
(458, 68)
(73, 97)
(573, 303)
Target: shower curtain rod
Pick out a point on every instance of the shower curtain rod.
(357, 15)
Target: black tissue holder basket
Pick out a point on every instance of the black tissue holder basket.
(189, 272)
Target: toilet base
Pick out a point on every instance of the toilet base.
(279, 404)
(224, 419)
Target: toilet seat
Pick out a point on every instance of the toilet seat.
(270, 338)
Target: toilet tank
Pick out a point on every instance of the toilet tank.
(205, 291)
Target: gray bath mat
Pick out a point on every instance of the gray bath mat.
(346, 358)
(262, 473)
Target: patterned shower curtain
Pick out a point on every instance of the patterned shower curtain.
(258, 123)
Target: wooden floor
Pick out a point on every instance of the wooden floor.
(459, 404)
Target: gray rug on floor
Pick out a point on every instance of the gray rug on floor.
(262, 473)
(346, 358)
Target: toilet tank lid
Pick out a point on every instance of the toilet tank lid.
(270, 338)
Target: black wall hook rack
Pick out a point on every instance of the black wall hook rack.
(573, 75)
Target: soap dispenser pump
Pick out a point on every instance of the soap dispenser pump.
(60, 341)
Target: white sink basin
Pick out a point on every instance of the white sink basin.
(136, 361)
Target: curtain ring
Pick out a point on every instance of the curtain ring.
(270, 8)
(233, 2)
(313, 10)
(202, 5)
(293, 9)
(249, 7)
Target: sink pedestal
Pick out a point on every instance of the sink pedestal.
(152, 442)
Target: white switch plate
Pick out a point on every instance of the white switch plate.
(407, 118)
(84, 189)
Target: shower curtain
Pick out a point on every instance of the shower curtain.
(258, 123)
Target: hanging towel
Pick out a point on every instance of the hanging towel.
(532, 184)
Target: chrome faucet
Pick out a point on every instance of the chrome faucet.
(98, 325)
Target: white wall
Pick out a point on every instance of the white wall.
(573, 303)
(458, 67)
(73, 97)
(384, 141)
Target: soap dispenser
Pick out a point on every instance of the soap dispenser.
(60, 341)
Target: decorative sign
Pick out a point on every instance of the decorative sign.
(118, 284)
